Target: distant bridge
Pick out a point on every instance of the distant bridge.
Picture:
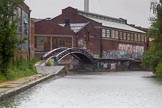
(59, 53)
(80, 54)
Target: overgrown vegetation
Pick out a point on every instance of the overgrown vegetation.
(8, 33)
(152, 58)
(19, 68)
(10, 67)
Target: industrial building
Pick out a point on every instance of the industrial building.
(23, 30)
(103, 36)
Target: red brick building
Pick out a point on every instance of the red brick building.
(48, 35)
(103, 36)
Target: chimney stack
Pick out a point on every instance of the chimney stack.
(86, 5)
(67, 23)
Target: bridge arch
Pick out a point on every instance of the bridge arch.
(80, 54)
(53, 52)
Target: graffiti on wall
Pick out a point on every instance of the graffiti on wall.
(125, 51)
(82, 43)
(131, 48)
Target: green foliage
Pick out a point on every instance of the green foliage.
(2, 78)
(8, 35)
(34, 60)
(153, 57)
(159, 70)
(48, 63)
(21, 68)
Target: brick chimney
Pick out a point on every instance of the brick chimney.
(86, 5)
(67, 23)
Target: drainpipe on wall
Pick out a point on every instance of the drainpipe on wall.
(76, 40)
(51, 42)
(101, 43)
(29, 33)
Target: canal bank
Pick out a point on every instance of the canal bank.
(11, 88)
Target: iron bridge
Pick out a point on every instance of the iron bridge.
(59, 53)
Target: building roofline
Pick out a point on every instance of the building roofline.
(108, 17)
(25, 7)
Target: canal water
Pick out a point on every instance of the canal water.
(92, 90)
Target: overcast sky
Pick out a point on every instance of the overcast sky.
(135, 11)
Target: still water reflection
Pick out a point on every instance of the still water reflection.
(93, 90)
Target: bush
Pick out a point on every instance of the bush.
(34, 60)
(2, 77)
(150, 59)
(50, 62)
(159, 70)
(19, 68)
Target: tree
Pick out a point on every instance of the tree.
(153, 57)
(8, 34)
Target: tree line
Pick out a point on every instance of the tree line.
(152, 58)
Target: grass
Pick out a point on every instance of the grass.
(19, 69)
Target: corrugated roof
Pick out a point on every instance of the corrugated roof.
(116, 25)
(98, 15)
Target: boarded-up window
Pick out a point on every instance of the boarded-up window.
(42, 43)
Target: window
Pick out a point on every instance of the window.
(116, 34)
(103, 33)
(113, 34)
(124, 36)
(132, 37)
(139, 37)
(68, 43)
(61, 43)
(121, 35)
(106, 33)
(128, 36)
(142, 37)
(135, 37)
(41, 42)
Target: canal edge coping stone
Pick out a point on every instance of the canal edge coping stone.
(24, 87)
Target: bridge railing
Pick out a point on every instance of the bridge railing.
(74, 50)
(52, 53)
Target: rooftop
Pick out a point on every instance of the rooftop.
(116, 25)
(120, 20)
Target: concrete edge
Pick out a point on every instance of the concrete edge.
(24, 87)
